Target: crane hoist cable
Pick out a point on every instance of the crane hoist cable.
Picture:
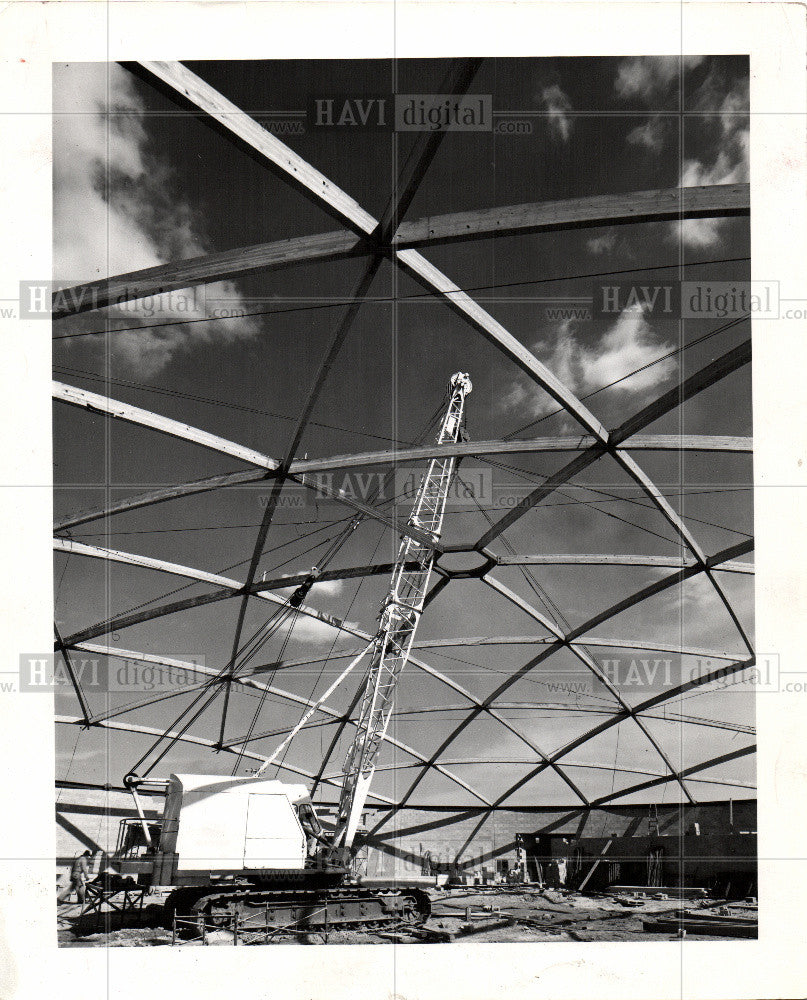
(210, 689)
(303, 720)
(292, 622)
(256, 642)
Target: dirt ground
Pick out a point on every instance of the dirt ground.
(504, 914)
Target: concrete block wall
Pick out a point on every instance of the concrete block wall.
(399, 842)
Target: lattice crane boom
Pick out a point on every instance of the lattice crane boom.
(400, 614)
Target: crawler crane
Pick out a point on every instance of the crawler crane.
(254, 847)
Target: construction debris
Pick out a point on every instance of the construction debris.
(709, 924)
(496, 914)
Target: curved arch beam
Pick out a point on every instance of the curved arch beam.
(478, 318)
(148, 562)
(652, 646)
(249, 680)
(108, 407)
(417, 267)
(687, 771)
(479, 706)
(702, 681)
(232, 745)
(460, 762)
(82, 643)
(147, 418)
(228, 588)
(716, 370)
(588, 661)
(691, 386)
(553, 706)
(607, 559)
(714, 201)
(676, 522)
(487, 704)
(235, 122)
(262, 587)
(522, 446)
(705, 722)
(161, 495)
(223, 594)
(192, 88)
(303, 467)
(334, 345)
(128, 727)
(661, 503)
(563, 641)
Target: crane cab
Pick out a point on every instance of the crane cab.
(223, 828)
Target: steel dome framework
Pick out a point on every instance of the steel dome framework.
(390, 239)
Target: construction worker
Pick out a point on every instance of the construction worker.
(311, 828)
(78, 879)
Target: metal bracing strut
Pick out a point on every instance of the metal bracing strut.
(400, 614)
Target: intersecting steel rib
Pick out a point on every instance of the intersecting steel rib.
(231, 588)
(690, 387)
(425, 149)
(129, 727)
(579, 633)
(302, 174)
(108, 407)
(248, 682)
(192, 88)
(334, 346)
(702, 681)
(713, 201)
(302, 469)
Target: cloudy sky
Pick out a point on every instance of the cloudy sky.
(138, 184)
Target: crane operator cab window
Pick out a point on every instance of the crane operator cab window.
(311, 826)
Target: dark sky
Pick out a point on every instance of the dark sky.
(145, 184)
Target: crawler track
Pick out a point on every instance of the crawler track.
(279, 911)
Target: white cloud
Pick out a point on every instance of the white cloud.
(651, 135)
(647, 77)
(313, 630)
(729, 162)
(604, 243)
(629, 344)
(558, 105)
(523, 396)
(322, 588)
(116, 210)
(329, 587)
